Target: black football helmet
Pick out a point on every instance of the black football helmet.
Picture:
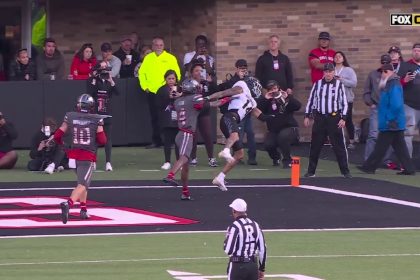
(85, 103)
(190, 86)
(254, 86)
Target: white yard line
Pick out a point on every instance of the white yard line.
(212, 258)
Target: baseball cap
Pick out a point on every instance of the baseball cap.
(394, 49)
(241, 63)
(324, 35)
(385, 59)
(271, 84)
(238, 205)
(416, 45)
(329, 66)
(125, 38)
(105, 47)
(387, 66)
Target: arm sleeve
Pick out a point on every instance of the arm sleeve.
(58, 136)
(262, 250)
(10, 130)
(230, 241)
(101, 138)
(259, 69)
(175, 67)
(144, 68)
(311, 100)
(74, 65)
(34, 153)
(350, 79)
(12, 71)
(116, 67)
(289, 74)
(342, 99)
(60, 70)
(396, 102)
(293, 105)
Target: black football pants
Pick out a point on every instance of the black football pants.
(243, 271)
(327, 125)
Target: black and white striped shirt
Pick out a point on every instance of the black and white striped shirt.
(327, 98)
(245, 238)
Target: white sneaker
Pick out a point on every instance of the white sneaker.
(108, 166)
(60, 168)
(194, 162)
(220, 183)
(50, 168)
(166, 166)
(225, 153)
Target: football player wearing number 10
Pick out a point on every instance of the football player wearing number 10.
(85, 132)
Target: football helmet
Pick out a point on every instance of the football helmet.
(85, 103)
(190, 86)
(254, 86)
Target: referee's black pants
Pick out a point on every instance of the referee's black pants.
(242, 271)
(327, 125)
(386, 139)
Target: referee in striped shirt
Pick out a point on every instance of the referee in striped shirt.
(244, 239)
(327, 108)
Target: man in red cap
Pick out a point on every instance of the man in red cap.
(321, 55)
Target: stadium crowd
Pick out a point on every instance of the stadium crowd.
(329, 107)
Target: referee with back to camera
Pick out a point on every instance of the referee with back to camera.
(327, 109)
(244, 239)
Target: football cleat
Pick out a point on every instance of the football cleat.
(171, 181)
(186, 197)
(108, 166)
(194, 162)
(84, 215)
(166, 166)
(220, 183)
(213, 162)
(225, 153)
(50, 168)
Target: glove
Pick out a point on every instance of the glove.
(265, 118)
(224, 100)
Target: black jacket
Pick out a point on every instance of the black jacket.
(17, 71)
(412, 88)
(265, 72)
(283, 112)
(127, 71)
(165, 107)
(8, 133)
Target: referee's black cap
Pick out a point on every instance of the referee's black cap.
(329, 66)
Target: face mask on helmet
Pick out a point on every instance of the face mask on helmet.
(190, 86)
(85, 103)
(254, 86)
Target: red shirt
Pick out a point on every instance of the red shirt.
(324, 57)
(82, 67)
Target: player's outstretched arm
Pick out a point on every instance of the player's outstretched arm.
(225, 93)
(220, 102)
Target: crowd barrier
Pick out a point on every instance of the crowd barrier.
(27, 103)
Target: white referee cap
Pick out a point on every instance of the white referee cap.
(238, 205)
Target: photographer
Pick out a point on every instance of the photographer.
(46, 157)
(8, 133)
(102, 87)
(165, 98)
(283, 128)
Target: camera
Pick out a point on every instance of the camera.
(103, 73)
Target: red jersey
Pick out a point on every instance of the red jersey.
(324, 57)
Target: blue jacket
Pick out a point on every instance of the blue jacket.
(391, 116)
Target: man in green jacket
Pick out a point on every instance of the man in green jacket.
(151, 76)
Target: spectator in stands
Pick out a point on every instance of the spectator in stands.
(348, 78)
(113, 61)
(371, 97)
(135, 40)
(201, 55)
(273, 65)
(396, 57)
(8, 133)
(145, 50)
(22, 68)
(321, 55)
(410, 73)
(151, 76)
(102, 88)
(50, 64)
(207, 87)
(83, 62)
(46, 156)
(391, 124)
(165, 98)
(128, 56)
(283, 128)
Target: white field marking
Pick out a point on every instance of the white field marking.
(213, 258)
(139, 187)
(361, 195)
(202, 232)
(150, 170)
(202, 170)
(258, 169)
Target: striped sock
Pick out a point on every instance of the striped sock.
(185, 191)
(83, 206)
(70, 202)
(171, 175)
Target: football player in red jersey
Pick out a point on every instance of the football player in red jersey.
(85, 134)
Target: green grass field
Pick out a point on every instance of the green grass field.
(342, 255)
(350, 255)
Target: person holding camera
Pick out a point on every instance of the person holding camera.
(165, 98)
(46, 156)
(283, 128)
(102, 87)
(8, 133)
(201, 54)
